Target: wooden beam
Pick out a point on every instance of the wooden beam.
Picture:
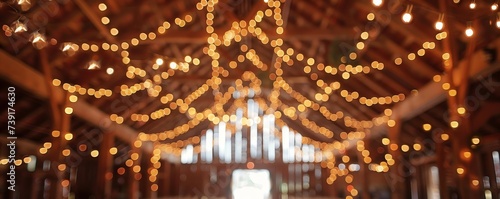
(398, 176)
(96, 21)
(177, 36)
(480, 118)
(432, 94)
(417, 65)
(394, 71)
(259, 6)
(17, 74)
(25, 147)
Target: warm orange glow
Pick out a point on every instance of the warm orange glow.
(250, 165)
(65, 183)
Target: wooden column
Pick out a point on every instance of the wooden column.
(61, 122)
(364, 173)
(145, 186)
(398, 176)
(442, 168)
(133, 183)
(164, 179)
(105, 166)
(459, 82)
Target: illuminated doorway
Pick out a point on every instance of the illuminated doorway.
(251, 184)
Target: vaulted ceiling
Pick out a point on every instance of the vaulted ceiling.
(341, 64)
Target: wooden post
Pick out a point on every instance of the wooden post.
(164, 179)
(105, 166)
(133, 183)
(145, 184)
(61, 121)
(364, 173)
(397, 180)
(443, 169)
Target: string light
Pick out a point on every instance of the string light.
(377, 3)
(472, 4)
(439, 23)
(110, 71)
(407, 17)
(469, 32)
(237, 33)
(159, 61)
(498, 20)
(494, 6)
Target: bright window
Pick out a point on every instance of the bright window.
(251, 184)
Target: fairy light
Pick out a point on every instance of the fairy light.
(407, 17)
(472, 4)
(494, 6)
(233, 35)
(377, 3)
(110, 71)
(439, 23)
(497, 23)
(469, 32)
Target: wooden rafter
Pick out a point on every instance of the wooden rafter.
(432, 94)
(16, 75)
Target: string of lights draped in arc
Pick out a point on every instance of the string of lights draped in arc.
(251, 130)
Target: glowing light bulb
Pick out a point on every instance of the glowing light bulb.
(377, 2)
(469, 32)
(159, 61)
(439, 25)
(110, 71)
(472, 5)
(173, 65)
(407, 17)
(93, 65)
(19, 27)
(24, 4)
(69, 48)
(38, 40)
(494, 6)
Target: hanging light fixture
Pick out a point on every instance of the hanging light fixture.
(439, 23)
(498, 20)
(469, 32)
(472, 4)
(93, 65)
(377, 3)
(494, 6)
(407, 17)
(69, 49)
(24, 4)
(38, 40)
(19, 27)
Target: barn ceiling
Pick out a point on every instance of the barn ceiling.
(167, 69)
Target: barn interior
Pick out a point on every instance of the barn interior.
(250, 99)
